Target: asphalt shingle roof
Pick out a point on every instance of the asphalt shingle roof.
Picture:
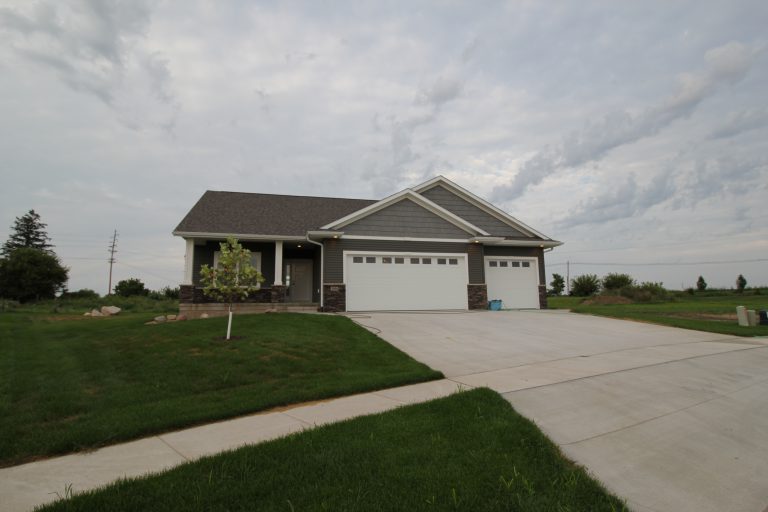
(265, 214)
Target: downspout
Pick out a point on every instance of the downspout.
(322, 271)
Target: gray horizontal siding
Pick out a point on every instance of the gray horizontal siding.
(469, 212)
(204, 256)
(334, 252)
(476, 264)
(405, 218)
(533, 252)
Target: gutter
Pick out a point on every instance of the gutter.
(322, 271)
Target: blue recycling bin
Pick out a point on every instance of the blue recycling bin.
(495, 305)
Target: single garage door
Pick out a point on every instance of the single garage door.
(513, 280)
(405, 282)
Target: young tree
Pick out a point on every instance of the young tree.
(130, 287)
(741, 283)
(234, 277)
(701, 284)
(28, 231)
(31, 274)
(557, 285)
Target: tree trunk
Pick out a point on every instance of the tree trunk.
(229, 323)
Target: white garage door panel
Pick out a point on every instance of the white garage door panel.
(513, 280)
(403, 286)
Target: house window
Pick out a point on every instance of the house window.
(414, 261)
(503, 264)
(426, 261)
(515, 263)
(453, 261)
(399, 261)
(441, 261)
(493, 263)
(386, 260)
(357, 259)
(526, 264)
(370, 259)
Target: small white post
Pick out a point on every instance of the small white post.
(278, 262)
(229, 323)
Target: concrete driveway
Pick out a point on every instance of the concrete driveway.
(670, 419)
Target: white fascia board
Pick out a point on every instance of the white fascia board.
(416, 198)
(239, 236)
(528, 243)
(321, 234)
(479, 202)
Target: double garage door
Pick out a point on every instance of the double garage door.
(421, 282)
(405, 281)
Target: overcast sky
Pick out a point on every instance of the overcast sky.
(633, 132)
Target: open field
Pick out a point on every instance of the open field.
(70, 383)
(704, 313)
(470, 451)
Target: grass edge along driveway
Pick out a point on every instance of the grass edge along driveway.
(470, 451)
(69, 384)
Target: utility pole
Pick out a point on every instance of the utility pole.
(112, 250)
(568, 277)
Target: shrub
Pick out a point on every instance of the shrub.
(741, 283)
(130, 288)
(585, 285)
(83, 293)
(645, 292)
(170, 293)
(617, 281)
(701, 284)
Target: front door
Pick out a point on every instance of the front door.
(298, 278)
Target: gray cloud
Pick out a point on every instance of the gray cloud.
(726, 64)
(742, 121)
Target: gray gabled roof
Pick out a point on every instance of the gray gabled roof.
(265, 214)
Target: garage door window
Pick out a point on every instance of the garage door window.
(526, 264)
(503, 263)
(515, 263)
(426, 261)
(357, 259)
(386, 260)
(441, 261)
(399, 261)
(493, 263)
(414, 261)
(370, 259)
(453, 261)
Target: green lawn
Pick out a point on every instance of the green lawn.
(72, 383)
(708, 313)
(470, 451)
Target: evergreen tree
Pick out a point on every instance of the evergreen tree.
(701, 284)
(31, 274)
(28, 231)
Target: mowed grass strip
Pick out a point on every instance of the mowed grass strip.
(72, 384)
(685, 311)
(470, 451)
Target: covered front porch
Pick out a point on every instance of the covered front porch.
(290, 266)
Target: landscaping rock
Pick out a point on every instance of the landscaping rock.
(170, 318)
(151, 322)
(180, 318)
(160, 319)
(96, 312)
(110, 310)
(87, 313)
(204, 315)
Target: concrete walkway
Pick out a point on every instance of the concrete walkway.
(26, 486)
(669, 419)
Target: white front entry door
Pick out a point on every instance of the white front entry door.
(405, 281)
(514, 280)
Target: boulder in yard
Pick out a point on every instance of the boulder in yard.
(180, 318)
(96, 312)
(160, 319)
(151, 322)
(204, 315)
(110, 310)
(87, 313)
(170, 318)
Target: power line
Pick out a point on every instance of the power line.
(657, 263)
(164, 278)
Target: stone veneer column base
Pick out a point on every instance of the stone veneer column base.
(477, 296)
(334, 297)
(543, 296)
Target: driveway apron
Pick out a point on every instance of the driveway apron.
(669, 419)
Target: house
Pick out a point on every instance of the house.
(435, 246)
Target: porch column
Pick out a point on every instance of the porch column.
(189, 256)
(278, 263)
